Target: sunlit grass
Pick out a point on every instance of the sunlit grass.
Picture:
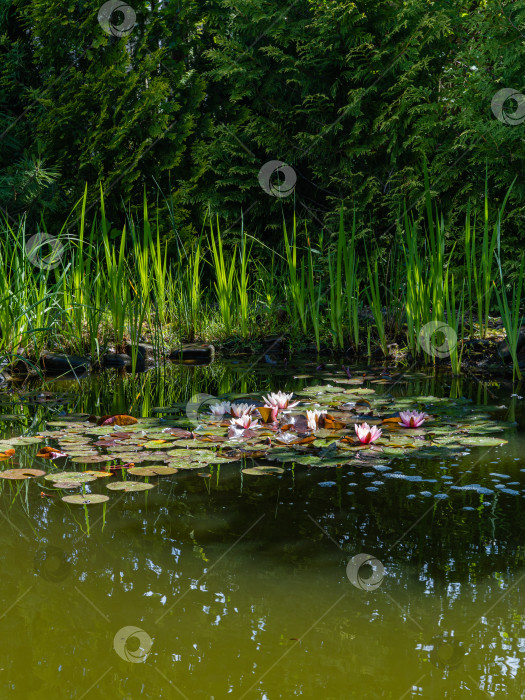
(109, 291)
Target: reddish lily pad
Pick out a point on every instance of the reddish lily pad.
(119, 419)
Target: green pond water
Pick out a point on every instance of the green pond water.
(232, 585)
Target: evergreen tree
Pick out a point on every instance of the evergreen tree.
(115, 110)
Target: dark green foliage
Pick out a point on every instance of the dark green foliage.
(353, 96)
(110, 110)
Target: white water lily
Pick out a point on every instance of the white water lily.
(219, 409)
(279, 400)
(313, 418)
(241, 409)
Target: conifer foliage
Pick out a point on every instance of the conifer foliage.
(197, 97)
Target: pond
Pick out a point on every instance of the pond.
(392, 577)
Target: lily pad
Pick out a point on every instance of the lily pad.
(85, 499)
(25, 440)
(129, 486)
(92, 459)
(154, 470)
(478, 440)
(70, 477)
(157, 444)
(263, 471)
(21, 473)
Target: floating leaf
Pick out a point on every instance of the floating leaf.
(70, 477)
(119, 419)
(186, 465)
(157, 444)
(47, 452)
(85, 499)
(25, 440)
(92, 459)
(266, 413)
(21, 473)
(129, 486)
(263, 471)
(155, 470)
(481, 441)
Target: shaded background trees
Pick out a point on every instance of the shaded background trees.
(191, 104)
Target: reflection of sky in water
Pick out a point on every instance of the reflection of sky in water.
(241, 583)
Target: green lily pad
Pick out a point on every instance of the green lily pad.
(25, 440)
(157, 445)
(481, 441)
(70, 477)
(263, 471)
(129, 486)
(135, 457)
(85, 499)
(154, 470)
(92, 459)
(186, 465)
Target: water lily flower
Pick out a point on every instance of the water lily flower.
(279, 400)
(241, 409)
(312, 418)
(367, 434)
(219, 409)
(245, 421)
(412, 419)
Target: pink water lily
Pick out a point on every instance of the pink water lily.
(412, 419)
(241, 409)
(245, 421)
(367, 434)
(312, 418)
(280, 400)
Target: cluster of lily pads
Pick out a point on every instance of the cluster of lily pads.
(320, 426)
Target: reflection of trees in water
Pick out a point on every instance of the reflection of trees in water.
(449, 574)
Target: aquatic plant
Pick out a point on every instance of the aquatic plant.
(367, 434)
(279, 400)
(245, 421)
(313, 417)
(412, 419)
(219, 409)
(241, 409)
